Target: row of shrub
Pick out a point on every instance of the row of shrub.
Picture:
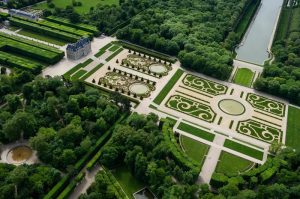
(117, 189)
(43, 29)
(33, 52)
(79, 26)
(177, 154)
(146, 51)
(72, 185)
(63, 183)
(262, 173)
(64, 28)
(18, 62)
(3, 16)
(33, 43)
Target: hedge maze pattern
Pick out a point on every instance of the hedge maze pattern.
(259, 131)
(204, 85)
(192, 108)
(142, 62)
(121, 82)
(266, 105)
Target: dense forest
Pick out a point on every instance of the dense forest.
(282, 77)
(26, 181)
(196, 31)
(21, 3)
(139, 144)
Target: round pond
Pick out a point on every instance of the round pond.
(157, 68)
(231, 107)
(139, 88)
(19, 154)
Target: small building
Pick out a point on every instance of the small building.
(79, 49)
(23, 14)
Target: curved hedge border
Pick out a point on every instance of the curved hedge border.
(177, 154)
(264, 173)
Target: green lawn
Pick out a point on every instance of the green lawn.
(85, 8)
(164, 92)
(78, 74)
(194, 149)
(230, 164)
(295, 21)
(293, 128)
(41, 37)
(195, 131)
(127, 181)
(114, 48)
(244, 77)
(283, 24)
(243, 149)
(114, 54)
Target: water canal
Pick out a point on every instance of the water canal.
(254, 47)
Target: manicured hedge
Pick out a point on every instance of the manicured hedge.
(114, 184)
(33, 43)
(64, 28)
(18, 62)
(30, 51)
(218, 180)
(80, 26)
(44, 30)
(146, 51)
(72, 185)
(53, 193)
(177, 154)
(3, 15)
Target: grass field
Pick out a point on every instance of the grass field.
(293, 128)
(244, 149)
(164, 92)
(42, 37)
(78, 74)
(129, 184)
(196, 132)
(194, 149)
(244, 77)
(85, 8)
(283, 25)
(230, 164)
(114, 48)
(295, 21)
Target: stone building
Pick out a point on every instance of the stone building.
(79, 49)
(23, 14)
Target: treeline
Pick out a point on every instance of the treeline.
(140, 145)
(199, 32)
(21, 3)
(26, 181)
(61, 122)
(282, 78)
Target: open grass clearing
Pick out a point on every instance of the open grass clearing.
(243, 149)
(230, 164)
(293, 128)
(244, 77)
(164, 92)
(85, 8)
(127, 181)
(41, 37)
(196, 131)
(194, 149)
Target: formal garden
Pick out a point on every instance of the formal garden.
(244, 77)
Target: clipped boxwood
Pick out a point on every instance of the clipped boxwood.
(218, 180)
(43, 29)
(80, 26)
(177, 154)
